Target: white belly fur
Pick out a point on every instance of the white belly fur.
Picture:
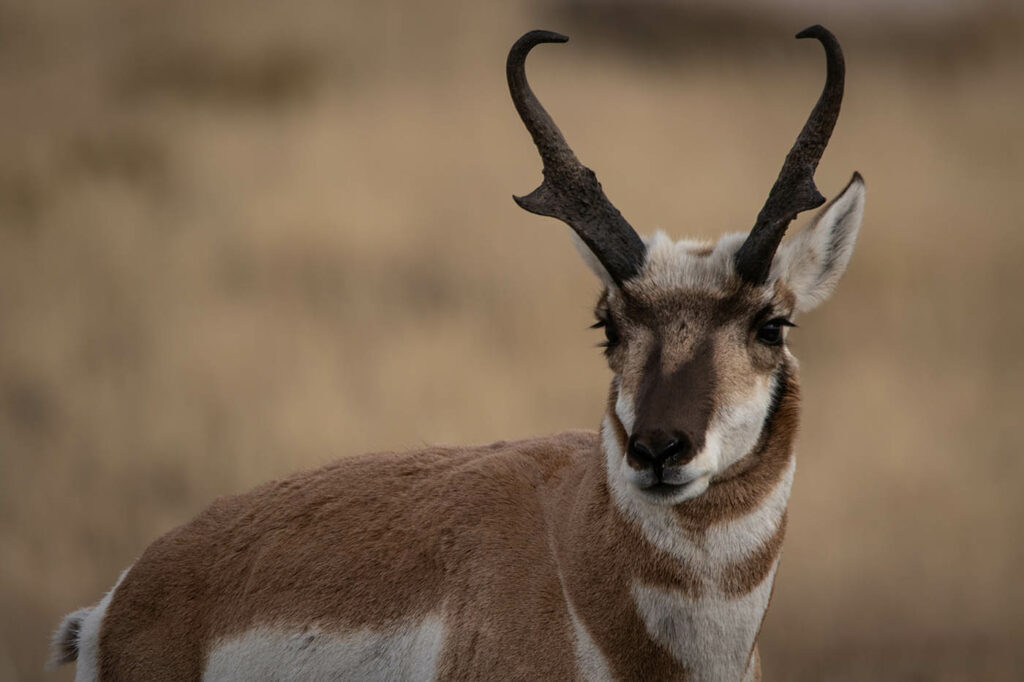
(404, 651)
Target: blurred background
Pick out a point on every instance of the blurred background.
(243, 237)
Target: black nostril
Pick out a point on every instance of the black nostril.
(640, 453)
(656, 452)
(679, 449)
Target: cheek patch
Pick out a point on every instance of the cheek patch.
(625, 411)
(736, 426)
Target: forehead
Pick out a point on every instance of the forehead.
(693, 281)
(690, 265)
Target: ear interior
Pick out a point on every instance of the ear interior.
(813, 261)
(591, 260)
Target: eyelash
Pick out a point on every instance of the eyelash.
(610, 332)
(774, 327)
(773, 338)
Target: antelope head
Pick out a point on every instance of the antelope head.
(696, 332)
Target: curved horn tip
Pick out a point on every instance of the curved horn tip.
(817, 31)
(537, 36)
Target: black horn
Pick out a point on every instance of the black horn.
(570, 191)
(794, 190)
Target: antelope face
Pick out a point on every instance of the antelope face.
(696, 334)
(699, 353)
(696, 354)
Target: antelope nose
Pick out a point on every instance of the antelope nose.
(656, 450)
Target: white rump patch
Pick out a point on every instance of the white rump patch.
(405, 651)
(87, 665)
(64, 644)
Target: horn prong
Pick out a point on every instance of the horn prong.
(570, 191)
(794, 190)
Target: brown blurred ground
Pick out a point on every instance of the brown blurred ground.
(240, 238)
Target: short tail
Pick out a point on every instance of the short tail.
(64, 645)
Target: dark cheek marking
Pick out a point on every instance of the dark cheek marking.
(780, 385)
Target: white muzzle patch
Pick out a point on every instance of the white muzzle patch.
(733, 432)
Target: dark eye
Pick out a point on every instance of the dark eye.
(770, 333)
(611, 332)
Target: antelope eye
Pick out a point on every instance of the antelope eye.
(611, 333)
(770, 333)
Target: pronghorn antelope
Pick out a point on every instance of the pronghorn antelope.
(646, 550)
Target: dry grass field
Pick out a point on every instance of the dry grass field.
(242, 237)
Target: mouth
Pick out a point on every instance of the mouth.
(662, 492)
(663, 489)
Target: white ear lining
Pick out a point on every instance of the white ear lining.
(813, 261)
(591, 260)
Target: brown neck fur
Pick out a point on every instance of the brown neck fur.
(600, 552)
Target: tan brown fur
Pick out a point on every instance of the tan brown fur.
(467, 532)
(490, 539)
(647, 551)
(364, 541)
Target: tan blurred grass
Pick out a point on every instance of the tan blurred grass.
(238, 238)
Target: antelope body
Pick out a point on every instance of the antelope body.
(647, 550)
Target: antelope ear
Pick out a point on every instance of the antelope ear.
(813, 261)
(591, 260)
